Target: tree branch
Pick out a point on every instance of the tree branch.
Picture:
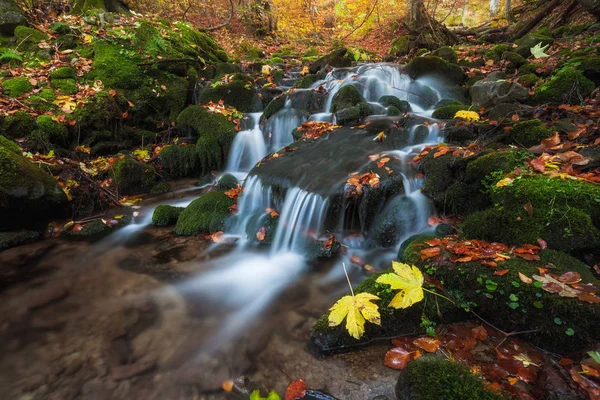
(226, 23)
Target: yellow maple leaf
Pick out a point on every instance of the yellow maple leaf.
(470, 116)
(356, 310)
(409, 280)
(504, 182)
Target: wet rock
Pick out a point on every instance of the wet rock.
(46, 295)
(130, 370)
(531, 40)
(309, 101)
(13, 239)
(337, 58)
(492, 90)
(436, 67)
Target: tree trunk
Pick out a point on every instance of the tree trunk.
(592, 6)
(494, 7)
(508, 12)
(464, 14)
(416, 17)
(82, 6)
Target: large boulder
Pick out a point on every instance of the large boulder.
(27, 191)
(10, 17)
(531, 40)
(338, 58)
(436, 67)
(493, 90)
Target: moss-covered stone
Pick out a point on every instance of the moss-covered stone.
(446, 53)
(432, 377)
(239, 94)
(66, 86)
(306, 81)
(275, 105)
(347, 96)
(528, 69)
(18, 125)
(566, 86)
(116, 69)
(448, 112)
(227, 181)
(90, 230)
(353, 115)
(528, 80)
(160, 188)
(388, 101)
(339, 58)
(17, 87)
(531, 40)
(180, 161)
(498, 162)
(400, 46)
(436, 67)
(206, 214)
(165, 215)
(529, 133)
(64, 73)
(52, 131)
(26, 190)
(590, 66)
(28, 38)
(14, 239)
(132, 176)
(514, 61)
(10, 145)
(565, 214)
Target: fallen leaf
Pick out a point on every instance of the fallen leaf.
(396, 358)
(409, 280)
(428, 344)
(356, 310)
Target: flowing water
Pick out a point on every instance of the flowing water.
(234, 290)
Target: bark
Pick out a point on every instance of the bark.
(464, 14)
(508, 12)
(536, 20)
(494, 7)
(116, 6)
(226, 23)
(592, 6)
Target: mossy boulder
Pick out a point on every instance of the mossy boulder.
(528, 80)
(275, 105)
(339, 58)
(564, 213)
(66, 86)
(52, 131)
(400, 46)
(90, 231)
(353, 115)
(180, 161)
(531, 40)
(165, 215)
(306, 81)
(446, 53)
(239, 94)
(227, 182)
(43, 101)
(347, 96)
(567, 86)
(590, 66)
(29, 38)
(18, 125)
(448, 112)
(64, 73)
(18, 238)
(529, 133)
(132, 176)
(528, 69)
(26, 190)
(116, 69)
(436, 67)
(392, 101)
(514, 61)
(206, 214)
(431, 377)
(11, 17)
(17, 87)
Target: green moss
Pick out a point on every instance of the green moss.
(402, 105)
(431, 377)
(446, 53)
(400, 46)
(566, 86)
(116, 68)
(436, 67)
(239, 94)
(347, 96)
(529, 133)
(90, 230)
(499, 161)
(18, 125)
(353, 115)
(306, 81)
(531, 40)
(565, 214)
(52, 131)
(528, 80)
(448, 112)
(590, 66)
(206, 214)
(528, 69)
(66, 86)
(17, 87)
(26, 190)
(10, 145)
(28, 38)
(14, 239)
(393, 111)
(180, 161)
(275, 105)
(227, 181)
(160, 188)
(211, 129)
(499, 49)
(60, 28)
(132, 176)
(100, 114)
(63, 73)
(514, 61)
(165, 215)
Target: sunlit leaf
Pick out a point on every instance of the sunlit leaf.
(408, 280)
(356, 310)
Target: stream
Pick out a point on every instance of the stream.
(143, 313)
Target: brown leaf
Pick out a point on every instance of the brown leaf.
(479, 333)
(431, 252)
(529, 208)
(428, 344)
(525, 279)
(260, 235)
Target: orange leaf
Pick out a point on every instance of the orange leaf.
(396, 358)
(296, 390)
(260, 235)
(501, 272)
(479, 333)
(431, 252)
(427, 343)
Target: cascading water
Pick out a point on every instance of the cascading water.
(248, 148)
(255, 279)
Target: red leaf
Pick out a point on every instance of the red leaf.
(569, 278)
(479, 333)
(538, 164)
(396, 358)
(527, 374)
(296, 390)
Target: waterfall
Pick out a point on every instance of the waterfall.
(248, 148)
(280, 126)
